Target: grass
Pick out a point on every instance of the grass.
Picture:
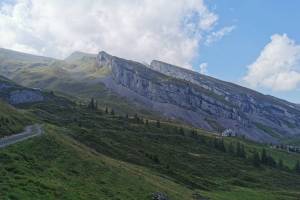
(289, 159)
(250, 194)
(267, 130)
(87, 154)
(55, 166)
(12, 120)
(189, 161)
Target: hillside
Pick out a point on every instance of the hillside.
(12, 120)
(166, 91)
(55, 166)
(97, 155)
(200, 100)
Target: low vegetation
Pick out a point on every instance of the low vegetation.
(90, 151)
(12, 120)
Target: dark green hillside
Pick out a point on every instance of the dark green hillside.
(12, 120)
(54, 166)
(192, 161)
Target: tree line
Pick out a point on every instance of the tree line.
(236, 149)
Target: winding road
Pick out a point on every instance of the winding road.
(29, 132)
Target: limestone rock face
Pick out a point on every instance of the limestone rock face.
(15, 94)
(200, 100)
(25, 96)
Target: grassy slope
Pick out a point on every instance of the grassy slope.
(55, 166)
(12, 120)
(289, 159)
(191, 162)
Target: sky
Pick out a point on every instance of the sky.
(253, 43)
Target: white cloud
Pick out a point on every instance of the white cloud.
(168, 30)
(277, 67)
(218, 35)
(203, 68)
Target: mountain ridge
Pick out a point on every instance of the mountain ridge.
(252, 104)
(175, 93)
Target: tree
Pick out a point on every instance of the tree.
(264, 157)
(297, 167)
(181, 131)
(194, 133)
(270, 161)
(256, 159)
(158, 124)
(222, 146)
(136, 118)
(147, 122)
(96, 105)
(280, 164)
(92, 104)
(231, 148)
(243, 152)
(106, 110)
(112, 112)
(238, 149)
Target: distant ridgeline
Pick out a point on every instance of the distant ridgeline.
(159, 89)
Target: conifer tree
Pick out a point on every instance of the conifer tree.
(280, 164)
(256, 159)
(270, 161)
(264, 158)
(222, 146)
(112, 112)
(243, 152)
(158, 124)
(136, 118)
(181, 131)
(297, 167)
(96, 105)
(238, 149)
(231, 148)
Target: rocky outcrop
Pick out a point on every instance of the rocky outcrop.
(15, 94)
(25, 96)
(159, 196)
(200, 100)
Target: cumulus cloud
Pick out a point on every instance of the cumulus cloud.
(203, 68)
(168, 30)
(218, 35)
(277, 67)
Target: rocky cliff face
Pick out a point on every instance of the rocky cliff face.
(16, 95)
(200, 100)
(172, 91)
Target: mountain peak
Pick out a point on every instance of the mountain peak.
(78, 55)
(104, 59)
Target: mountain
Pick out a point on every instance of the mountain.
(162, 89)
(86, 153)
(201, 100)
(78, 55)
(92, 152)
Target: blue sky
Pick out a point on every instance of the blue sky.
(255, 43)
(255, 22)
